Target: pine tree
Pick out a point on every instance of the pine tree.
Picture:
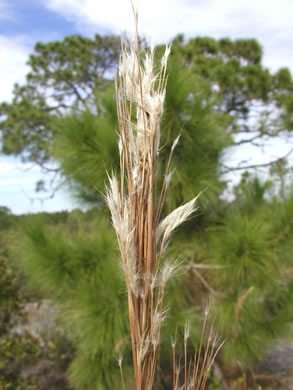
(238, 251)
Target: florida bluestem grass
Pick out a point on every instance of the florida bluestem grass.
(136, 204)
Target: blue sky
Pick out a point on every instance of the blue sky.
(32, 19)
(23, 23)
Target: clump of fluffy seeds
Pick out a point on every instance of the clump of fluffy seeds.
(135, 208)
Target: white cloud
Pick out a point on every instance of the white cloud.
(15, 175)
(14, 54)
(271, 23)
(17, 181)
(11, 165)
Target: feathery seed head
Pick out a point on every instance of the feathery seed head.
(133, 281)
(135, 211)
(164, 59)
(120, 145)
(167, 272)
(119, 360)
(173, 342)
(168, 178)
(144, 348)
(155, 341)
(175, 218)
(187, 330)
(154, 281)
(175, 143)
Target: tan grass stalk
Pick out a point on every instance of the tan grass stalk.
(196, 369)
(135, 206)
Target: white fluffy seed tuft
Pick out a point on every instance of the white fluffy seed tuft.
(175, 219)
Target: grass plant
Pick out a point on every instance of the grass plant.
(136, 203)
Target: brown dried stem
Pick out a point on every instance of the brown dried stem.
(136, 208)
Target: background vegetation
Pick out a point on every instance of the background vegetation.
(236, 252)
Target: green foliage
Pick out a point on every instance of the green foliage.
(10, 301)
(24, 356)
(86, 143)
(225, 78)
(12, 294)
(6, 218)
(214, 90)
(243, 246)
(198, 154)
(27, 364)
(214, 385)
(86, 148)
(254, 304)
(62, 74)
(17, 352)
(76, 264)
